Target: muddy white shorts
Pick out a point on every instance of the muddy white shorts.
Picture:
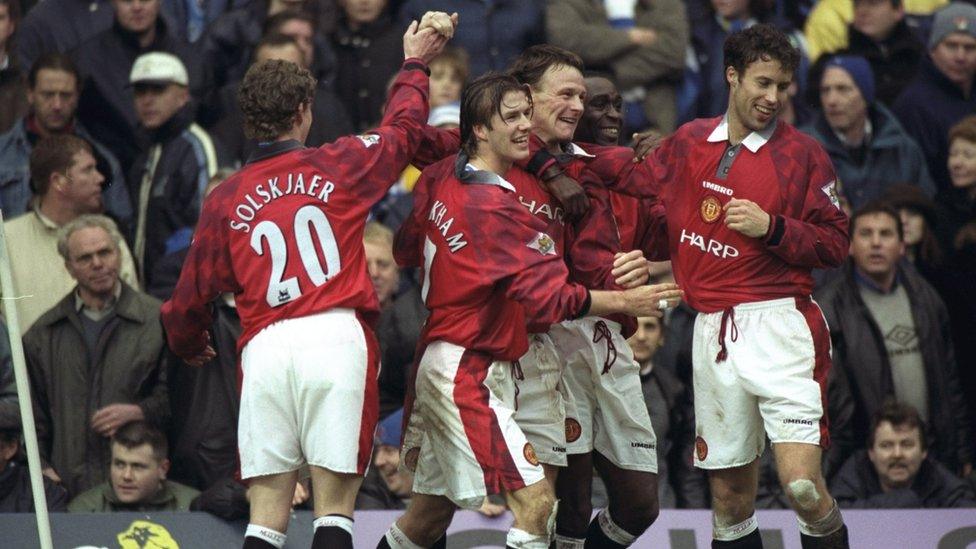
(608, 412)
(541, 401)
(769, 378)
(461, 440)
(309, 395)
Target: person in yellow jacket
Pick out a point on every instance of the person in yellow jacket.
(826, 27)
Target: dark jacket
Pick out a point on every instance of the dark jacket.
(173, 496)
(398, 331)
(59, 26)
(16, 495)
(9, 401)
(894, 62)
(493, 32)
(856, 486)
(107, 104)
(186, 157)
(13, 93)
(861, 379)
(669, 403)
(368, 57)
(68, 389)
(927, 109)
(892, 157)
(374, 494)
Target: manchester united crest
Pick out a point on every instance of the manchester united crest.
(529, 452)
(573, 430)
(701, 448)
(543, 244)
(710, 210)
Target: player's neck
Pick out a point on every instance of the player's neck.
(490, 163)
(737, 130)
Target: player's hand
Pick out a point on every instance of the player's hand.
(645, 143)
(108, 419)
(301, 494)
(426, 43)
(205, 356)
(441, 22)
(570, 194)
(746, 217)
(652, 300)
(490, 509)
(630, 269)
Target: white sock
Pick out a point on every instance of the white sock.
(338, 521)
(612, 531)
(566, 542)
(398, 540)
(520, 539)
(736, 531)
(826, 525)
(267, 534)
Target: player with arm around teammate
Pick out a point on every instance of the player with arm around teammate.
(285, 235)
(489, 270)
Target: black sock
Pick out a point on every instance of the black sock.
(383, 544)
(331, 537)
(836, 540)
(441, 543)
(251, 542)
(751, 541)
(597, 539)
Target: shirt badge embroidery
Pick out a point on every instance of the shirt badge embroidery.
(369, 139)
(830, 189)
(543, 244)
(710, 210)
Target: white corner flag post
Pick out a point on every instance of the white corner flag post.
(23, 394)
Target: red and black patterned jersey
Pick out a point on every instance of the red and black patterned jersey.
(285, 233)
(695, 172)
(489, 266)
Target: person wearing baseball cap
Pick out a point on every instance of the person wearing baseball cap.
(165, 183)
(868, 147)
(942, 93)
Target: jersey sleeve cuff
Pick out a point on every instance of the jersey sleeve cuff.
(415, 64)
(585, 309)
(776, 230)
(541, 161)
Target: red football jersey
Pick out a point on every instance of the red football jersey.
(782, 170)
(489, 267)
(285, 233)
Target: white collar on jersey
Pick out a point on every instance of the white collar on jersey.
(576, 150)
(486, 177)
(754, 141)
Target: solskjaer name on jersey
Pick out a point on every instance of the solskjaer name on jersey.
(276, 187)
(437, 215)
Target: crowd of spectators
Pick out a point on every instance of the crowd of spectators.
(117, 117)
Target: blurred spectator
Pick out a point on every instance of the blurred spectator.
(942, 93)
(448, 74)
(826, 26)
(137, 476)
(168, 180)
(369, 47)
(868, 147)
(387, 485)
(52, 94)
(492, 33)
(890, 335)
(957, 205)
(95, 359)
(401, 316)
(918, 217)
(105, 62)
(722, 18)
(58, 26)
(641, 45)
(13, 90)
(880, 34)
(192, 17)
(329, 118)
(64, 175)
(669, 403)
(9, 403)
(895, 471)
(15, 483)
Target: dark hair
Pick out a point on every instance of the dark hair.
(759, 43)
(273, 24)
(136, 433)
(275, 40)
(878, 207)
(54, 154)
(532, 64)
(759, 10)
(906, 196)
(13, 11)
(898, 414)
(480, 100)
(52, 61)
(965, 129)
(270, 95)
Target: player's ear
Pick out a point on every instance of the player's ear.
(731, 76)
(480, 131)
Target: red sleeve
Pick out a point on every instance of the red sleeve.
(592, 242)
(615, 167)
(815, 235)
(207, 272)
(519, 254)
(375, 159)
(436, 145)
(652, 232)
(408, 248)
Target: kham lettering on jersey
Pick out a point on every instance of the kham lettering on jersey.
(277, 187)
(710, 246)
(437, 214)
(543, 208)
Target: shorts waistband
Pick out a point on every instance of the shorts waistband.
(783, 302)
(592, 320)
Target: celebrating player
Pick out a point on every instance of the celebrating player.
(285, 235)
(490, 269)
